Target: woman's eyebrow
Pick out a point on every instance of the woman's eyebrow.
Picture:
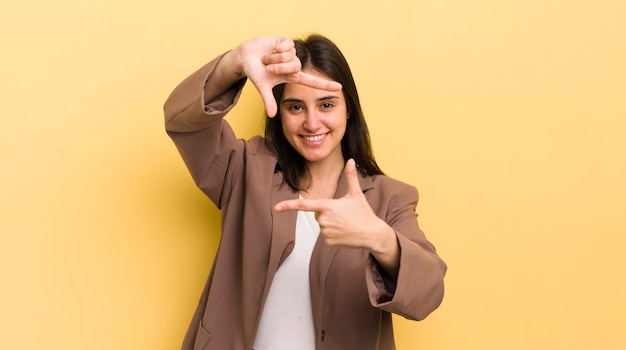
(329, 97)
(297, 100)
(292, 100)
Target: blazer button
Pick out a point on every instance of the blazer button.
(323, 335)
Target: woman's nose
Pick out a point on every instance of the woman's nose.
(312, 121)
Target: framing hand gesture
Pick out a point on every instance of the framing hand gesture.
(350, 222)
(270, 61)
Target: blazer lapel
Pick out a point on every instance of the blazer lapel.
(323, 254)
(283, 226)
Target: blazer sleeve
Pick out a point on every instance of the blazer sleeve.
(203, 138)
(419, 288)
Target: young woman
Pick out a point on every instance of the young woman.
(318, 246)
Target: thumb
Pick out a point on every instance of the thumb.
(268, 100)
(352, 177)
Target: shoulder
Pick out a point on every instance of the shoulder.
(391, 184)
(258, 147)
(258, 157)
(388, 189)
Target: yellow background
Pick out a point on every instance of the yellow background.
(509, 116)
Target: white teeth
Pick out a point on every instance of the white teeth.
(314, 138)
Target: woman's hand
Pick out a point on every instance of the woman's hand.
(270, 61)
(350, 222)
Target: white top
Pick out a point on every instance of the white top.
(287, 319)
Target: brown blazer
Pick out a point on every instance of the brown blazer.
(351, 297)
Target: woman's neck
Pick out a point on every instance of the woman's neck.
(323, 180)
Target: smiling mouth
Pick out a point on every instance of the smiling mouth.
(314, 138)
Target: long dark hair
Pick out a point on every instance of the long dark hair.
(320, 54)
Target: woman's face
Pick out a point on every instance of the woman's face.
(314, 121)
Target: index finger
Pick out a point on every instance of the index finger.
(314, 81)
(300, 204)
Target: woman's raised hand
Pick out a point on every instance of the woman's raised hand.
(270, 61)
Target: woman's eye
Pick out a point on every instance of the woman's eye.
(295, 108)
(327, 105)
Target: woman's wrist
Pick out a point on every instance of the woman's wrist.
(387, 251)
(232, 65)
(225, 74)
